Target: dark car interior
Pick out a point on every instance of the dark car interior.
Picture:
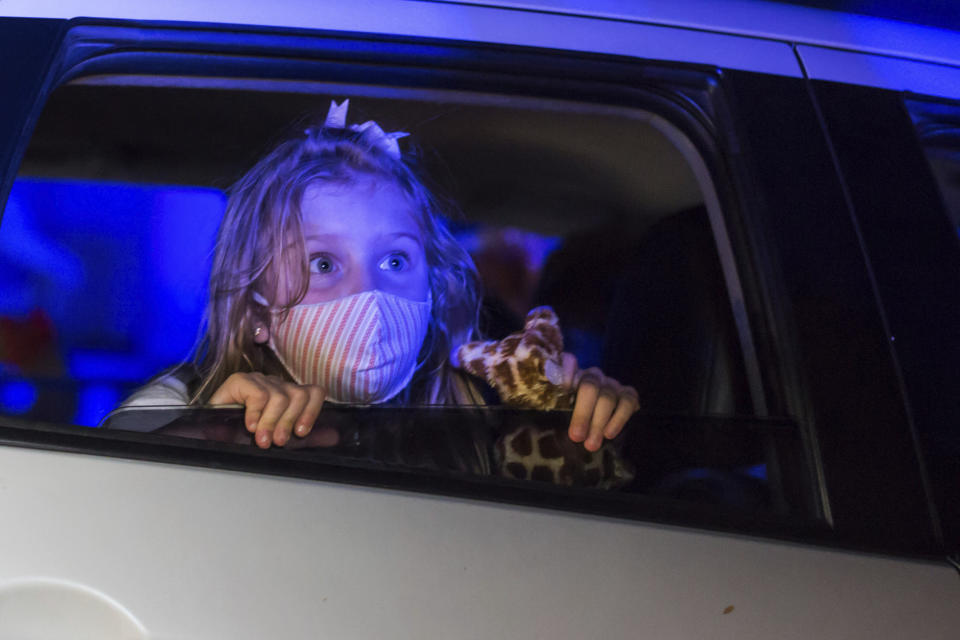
(590, 209)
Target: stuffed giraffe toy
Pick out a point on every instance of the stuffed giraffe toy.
(526, 369)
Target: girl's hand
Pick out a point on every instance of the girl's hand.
(275, 408)
(602, 407)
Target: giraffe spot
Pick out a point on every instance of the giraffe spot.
(591, 477)
(567, 473)
(522, 444)
(530, 372)
(503, 374)
(517, 470)
(585, 456)
(489, 348)
(508, 346)
(542, 473)
(548, 398)
(549, 447)
(535, 341)
(477, 366)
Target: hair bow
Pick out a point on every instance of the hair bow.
(370, 132)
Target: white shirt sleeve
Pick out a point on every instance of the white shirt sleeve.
(166, 391)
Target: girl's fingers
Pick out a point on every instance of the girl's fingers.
(601, 410)
(246, 389)
(274, 408)
(272, 413)
(309, 415)
(297, 398)
(628, 404)
(587, 394)
(606, 403)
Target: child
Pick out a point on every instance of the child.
(335, 278)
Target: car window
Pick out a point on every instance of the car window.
(938, 126)
(543, 199)
(605, 213)
(77, 339)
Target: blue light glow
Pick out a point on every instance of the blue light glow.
(758, 471)
(17, 396)
(120, 269)
(94, 402)
(92, 364)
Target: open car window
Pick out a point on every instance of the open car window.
(606, 212)
(592, 211)
(938, 128)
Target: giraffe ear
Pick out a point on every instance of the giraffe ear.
(540, 315)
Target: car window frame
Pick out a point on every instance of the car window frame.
(695, 109)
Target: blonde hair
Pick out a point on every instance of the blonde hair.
(260, 249)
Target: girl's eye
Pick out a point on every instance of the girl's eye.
(322, 265)
(395, 262)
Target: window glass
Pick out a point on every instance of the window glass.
(109, 236)
(938, 125)
(934, 364)
(104, 286)
(745, 463)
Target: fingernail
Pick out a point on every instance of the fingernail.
(263, 438)
(578, 433)
(252, 427)
(301, 429)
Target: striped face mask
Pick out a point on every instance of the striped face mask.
(361, 349)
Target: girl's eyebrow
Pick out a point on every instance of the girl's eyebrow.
(322, 236)
(403, 234)
(387, 236)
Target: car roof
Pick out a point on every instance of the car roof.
(760, 19)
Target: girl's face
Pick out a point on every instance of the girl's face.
(362, 236)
